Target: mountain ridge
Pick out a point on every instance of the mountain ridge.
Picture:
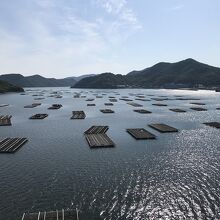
(185, 73)
(37, 80)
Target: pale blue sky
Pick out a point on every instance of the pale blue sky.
(59, 38)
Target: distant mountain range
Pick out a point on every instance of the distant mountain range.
(39, 81)
(187, 73)
(7, 87)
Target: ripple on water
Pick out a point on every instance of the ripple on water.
(173, 177)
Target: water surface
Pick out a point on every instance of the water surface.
(175, 176)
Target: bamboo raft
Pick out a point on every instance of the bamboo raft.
(143, 100)
(140, 96)
(58, 96)
(97, 130)
(78, 115)
(10, 145)
(213, 124)
(197, 103)
(4, 105)
(99, 140)
(163, 128)
(76, 96)
(5, 120)
(96, 137)
(187, 99)
(109, 104)
(52, 215)
(55, 106)
(113, 100)
(134, 104)
(198, 109)
(140, 133)
(160, 99)
(126, 99)
(159, 104)
(39, 98)
(177, 110)
(142, 111)
(32, 105)
(106, 111)
(39, 116)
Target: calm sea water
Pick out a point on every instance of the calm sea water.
(176, 176)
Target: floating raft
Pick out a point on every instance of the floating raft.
(99, 140)
(187, 99)
(197, 103)
(143, 100)
(78, 115)
(113, 100)
(55, 106)
(134, 104)
(159, 99)
(32, 105)
(159, 104)
(89, 100)
(109, 104)
(163, 128)
(52, 215)
(177, 110)
(140, 96)
(38, 116)
(5, 120)
(142, 111)
(198, 109)
(76, 96)
(10, 145)
(140, 133)
(126, 99)
(213, 124)
(4, 105)
(107, 111)
(97, 130)
(39, 98)
(58, 96)
(96, 137)
(90, 104)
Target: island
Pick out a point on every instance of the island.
(7, 87)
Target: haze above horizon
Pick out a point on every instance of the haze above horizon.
(70, 37)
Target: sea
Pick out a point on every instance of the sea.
(175, 176)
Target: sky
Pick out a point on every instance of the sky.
(61, 38)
